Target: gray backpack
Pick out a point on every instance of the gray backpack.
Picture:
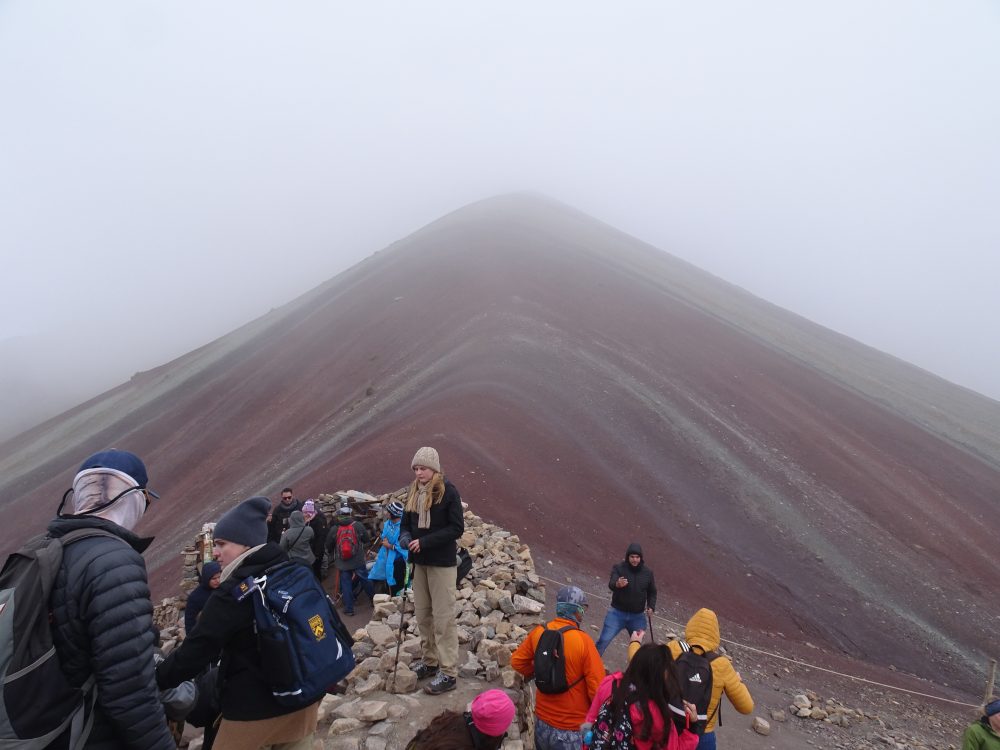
(38, 707)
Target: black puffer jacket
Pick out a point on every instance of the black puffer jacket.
(226, 627)
(102, 625)
(437, 544)
(641, 590)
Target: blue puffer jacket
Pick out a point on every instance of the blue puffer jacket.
(102, 624)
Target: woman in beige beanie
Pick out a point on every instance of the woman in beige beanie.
(432, 523)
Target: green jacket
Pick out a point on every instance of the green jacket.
(980, 736)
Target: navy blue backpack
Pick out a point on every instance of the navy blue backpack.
(304, 647)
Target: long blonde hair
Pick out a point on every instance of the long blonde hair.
(436, 492)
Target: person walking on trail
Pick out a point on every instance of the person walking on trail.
(633, 597)
(390, 564)
(984, 734)
(347, 546)
(558, 716)
(297, 541)
(317, 522)
(431, 525)
(643, 706)
(483, 725)
(702, 636)
(251, 717)
(102, 615)
(280, 515)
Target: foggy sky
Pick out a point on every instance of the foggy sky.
(170, 170)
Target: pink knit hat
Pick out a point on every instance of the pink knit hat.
(492, 712)
(309, 508)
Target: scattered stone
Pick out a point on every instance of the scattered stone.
(761, 726)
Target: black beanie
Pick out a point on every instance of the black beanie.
(245, 524)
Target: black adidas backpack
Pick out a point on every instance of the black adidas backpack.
(38, 707)
(695, 672)
(550, 661)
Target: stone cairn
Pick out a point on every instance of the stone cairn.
(498, 602)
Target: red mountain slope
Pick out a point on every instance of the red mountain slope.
(585, 390)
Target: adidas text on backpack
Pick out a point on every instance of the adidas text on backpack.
(304, 647)
(39, 708)
(347, 541)
(695, 672)
(550, 661)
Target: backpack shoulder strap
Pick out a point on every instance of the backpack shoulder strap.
(78, 534)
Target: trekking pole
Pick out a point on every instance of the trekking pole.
(402, 623)
(992, 672)
(649, 622)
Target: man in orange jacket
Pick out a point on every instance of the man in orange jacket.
(558, 716)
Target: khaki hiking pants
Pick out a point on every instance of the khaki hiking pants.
(434, 602)
(292, 731)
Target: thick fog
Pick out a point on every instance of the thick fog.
(171, 170)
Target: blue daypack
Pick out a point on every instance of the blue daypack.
(304, 647)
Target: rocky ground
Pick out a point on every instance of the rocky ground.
(504, 596)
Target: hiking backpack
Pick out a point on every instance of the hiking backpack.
(304, 647)
(550, 661)
(38, 706)
(347, 541)
(695, 673)
(612, 731)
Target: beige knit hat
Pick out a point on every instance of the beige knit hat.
(427, 457)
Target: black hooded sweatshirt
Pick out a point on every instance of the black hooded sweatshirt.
(641, 590)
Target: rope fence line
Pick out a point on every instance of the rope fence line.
(788, 658)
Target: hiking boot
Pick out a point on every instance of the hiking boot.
(422, 670)
(440, 684)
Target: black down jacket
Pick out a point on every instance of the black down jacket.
(102, 625)
(641, 590)
(438, 545)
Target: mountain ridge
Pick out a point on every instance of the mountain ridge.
(570, 374)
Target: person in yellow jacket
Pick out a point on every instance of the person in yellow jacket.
(702, 635)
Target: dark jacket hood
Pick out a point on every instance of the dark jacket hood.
(208, 570)
(635, 549)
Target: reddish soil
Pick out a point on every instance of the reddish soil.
(581, 395)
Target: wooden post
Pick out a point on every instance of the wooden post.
(992, 672)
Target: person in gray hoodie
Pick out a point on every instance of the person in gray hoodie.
(297, 540)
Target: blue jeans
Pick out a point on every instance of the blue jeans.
(347, 589)
(707, 741)
(615, 621)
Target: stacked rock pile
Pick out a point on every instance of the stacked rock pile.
(499, 601)
(808, 705)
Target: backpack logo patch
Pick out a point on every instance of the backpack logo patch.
(316, 623)
(696, 678)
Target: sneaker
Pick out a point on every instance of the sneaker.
(349, 612)
(422, 670)
(440, 684)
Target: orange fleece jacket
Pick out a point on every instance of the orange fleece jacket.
(564, 710)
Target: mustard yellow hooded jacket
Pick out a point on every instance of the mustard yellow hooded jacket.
(703, 631)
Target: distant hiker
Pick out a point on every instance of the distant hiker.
(100, 608)
(984, 734)
(642, 708)
(633, 597)
(317, 522)
(208, 581)
(347, 546)
(280, 514)
(566, 686)
(251, 716)
(483, 725)
(390, 564)
(297, 540)
(432, 523)
(702, 638)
